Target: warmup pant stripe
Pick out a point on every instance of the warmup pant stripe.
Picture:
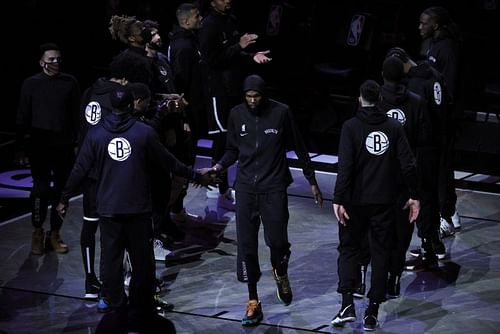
(214, 104)
(87, 251)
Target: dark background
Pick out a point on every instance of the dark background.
(312, 35)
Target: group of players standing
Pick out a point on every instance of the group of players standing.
(203, 63)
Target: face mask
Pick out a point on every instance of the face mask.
(52, 68)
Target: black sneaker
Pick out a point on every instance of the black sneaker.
(253, 315)
(416, 252)
(393, 286)
(92, 288)
(346, 314)
(370, 321)
(420, 264)
(439, 249)
(414, 264)
(162, 305)
(283, 289)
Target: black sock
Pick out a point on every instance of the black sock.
(252, 291)
(373, 308)
(347, 299)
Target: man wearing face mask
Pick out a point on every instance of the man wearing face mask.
(47, 125)
(259, 132)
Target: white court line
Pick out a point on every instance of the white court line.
(293, 168)
(12, 220)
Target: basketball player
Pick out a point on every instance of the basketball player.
(373, 149)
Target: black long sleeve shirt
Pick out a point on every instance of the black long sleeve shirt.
(48, 109)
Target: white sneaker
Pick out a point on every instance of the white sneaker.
(456, 220)
(446, 229)
(227, 200)
(213, 192)
(184, 216)
(160, 251)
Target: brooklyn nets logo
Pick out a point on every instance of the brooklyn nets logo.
(377, 143)
(93, 112)
(398, 115)
(163, 71)
(119, 149)
(438, 94)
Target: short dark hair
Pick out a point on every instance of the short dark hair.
(47, 47)
(150, 24)
(139, 90)
(121, 98)
(442, 17)
(370, 91)
(130, 66)
(399, 53)
(184, 11)
(393, 70)
(439, 14)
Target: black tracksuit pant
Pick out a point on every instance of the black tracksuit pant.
(133, 233)
(48, 164)
(447, 193)
(403, 231)
(272, 210)
(89, 228)
(428, 219)
(376, 221)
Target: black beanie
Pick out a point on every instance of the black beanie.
(254, 82)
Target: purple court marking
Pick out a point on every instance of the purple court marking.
(15, 183)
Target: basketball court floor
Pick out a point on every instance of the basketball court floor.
(43, 294)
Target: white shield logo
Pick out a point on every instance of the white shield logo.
(93, 112)
(377, 143)
(398, 115)
(119, 149)
(438, 93)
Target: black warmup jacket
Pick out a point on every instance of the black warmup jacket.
(429, 84)
(163, 76)
(222, 56)
(185, 60)
(48, 110)
(123, 152)
(409, 109)
(373, 153)
(443, 55)
(258, 139)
